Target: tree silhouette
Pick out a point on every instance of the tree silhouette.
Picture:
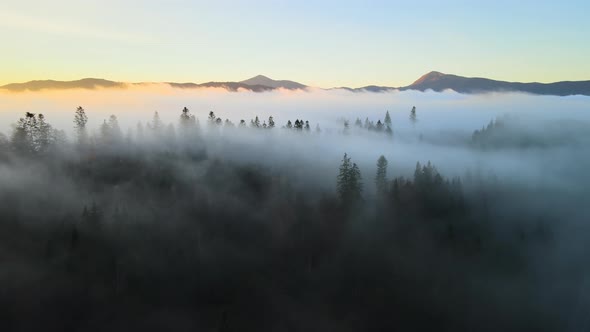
(348, 184)
(413, 117)
(187, 123)
(379, 126)
(381, 177)
(80, 121)
(255, 123)
(387, 120)
(212, 117)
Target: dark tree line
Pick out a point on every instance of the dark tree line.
(139, 236)
(384, 126)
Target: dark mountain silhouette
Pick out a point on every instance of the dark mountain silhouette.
(86, 83)
(437, 81)
(261, 80)
(257, 84)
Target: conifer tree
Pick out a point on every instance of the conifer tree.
(379, 126)
(80, 121)
(349, 182)
(413, 117)
(387, 120)
(212, 117)
(343, 179)
(188, 122)
(381, 177)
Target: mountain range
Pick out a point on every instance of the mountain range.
(435, 81)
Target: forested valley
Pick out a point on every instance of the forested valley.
(165, 226)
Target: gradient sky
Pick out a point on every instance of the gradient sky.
(320, 43)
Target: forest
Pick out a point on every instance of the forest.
(165, 226)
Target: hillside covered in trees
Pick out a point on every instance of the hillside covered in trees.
(166, 226)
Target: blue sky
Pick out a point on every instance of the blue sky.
(321, 43)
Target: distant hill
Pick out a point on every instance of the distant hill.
(439, 82)
(257, 84)
(435, 81)
(261, 80)
(86, 83)
(230, 86)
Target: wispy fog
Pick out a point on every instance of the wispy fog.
(264, 200)
(445, 124)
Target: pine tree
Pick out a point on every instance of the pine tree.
(343, 179)
(379, 126)
(255, 123)
(271, 122)
(381, 177)
(80, 121)
(188, 123)
(387, 120)
(356, 184)
(289, 124)
(307, 127)
(413, 117)
(24, 134)
(349, 182)
(212, 117)
(44, 135)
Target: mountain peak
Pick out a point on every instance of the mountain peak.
(430, 77)
(261, 77)
(437, 81)
(265, 81)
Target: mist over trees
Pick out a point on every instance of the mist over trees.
(230, 227)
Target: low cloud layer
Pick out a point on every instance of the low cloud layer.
(527, 170)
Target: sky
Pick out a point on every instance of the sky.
(318, 43)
